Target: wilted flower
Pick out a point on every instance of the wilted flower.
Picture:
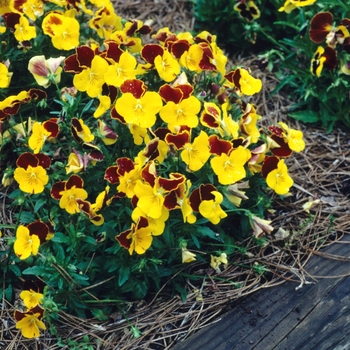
(187, 256)
(45, 71)
(260, 226)
(216, 261)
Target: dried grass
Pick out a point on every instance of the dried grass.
(320, 172)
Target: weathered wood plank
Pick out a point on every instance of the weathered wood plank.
(314, 317)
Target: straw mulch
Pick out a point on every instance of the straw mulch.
(320, 172)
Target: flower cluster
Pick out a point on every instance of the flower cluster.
(337, 39)
(153, 144)
(29, 320)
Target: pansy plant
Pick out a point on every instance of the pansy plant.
(128, 155)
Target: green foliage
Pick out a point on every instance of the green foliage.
(281, 41)
(109, 210)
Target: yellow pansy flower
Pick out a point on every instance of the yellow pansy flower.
(25, 243)
(190, 59)
(5, 76)
(23, 30)
(31, 180)
(196, 154)
(122, 70)
(157, 225)
(92, 79)
(37, 139)
(69, 198)
(230, 167)
(279, 179)
(151, 199)
(30, 325)
(211, 209)
(182, 113)
(167, 66)
(248, 85)
(293, 137)
(31, 298)
(140, 111)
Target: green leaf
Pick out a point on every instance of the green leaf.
(15, 269)
(59, 237)
(98, 313)
(26, 217)
(124, 273)
(195, 240)
(8, 292)
(305, 116)
(140, 290)
(89, 240)
(16, 193)
(39, 203)
(208, 232)
(35, 270)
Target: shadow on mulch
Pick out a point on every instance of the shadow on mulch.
(320, 172)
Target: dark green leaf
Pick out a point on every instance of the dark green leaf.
(39, 203)
(124, 273)
(305, 116)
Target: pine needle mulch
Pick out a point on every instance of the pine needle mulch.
(320, 173)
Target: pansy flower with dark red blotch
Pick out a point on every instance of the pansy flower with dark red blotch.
(112, 51)
(136, 26)
(270, 163)
(138, 238)
(204, 37)
(82, 59)
(43, 230)
(52, 127)
(320, 26)
(181, 106)
(178, 140)
(58, 187)
(150, 51)
(203, 192)
(279, 147)
(86, 208)
(219, 146)
(30, 322)
(11, 19)
(11, 104)
(112, 173)
(28, 159)
(80, 131)
(211, 115)
(173, 198)
(178, 198)
(110, 91)
(179, 47)
(19, 315)
(206, 63)
(323, 57)
(169, 93)
(248, 10)
(69, 193)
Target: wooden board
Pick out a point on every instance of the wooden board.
(314, 317)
